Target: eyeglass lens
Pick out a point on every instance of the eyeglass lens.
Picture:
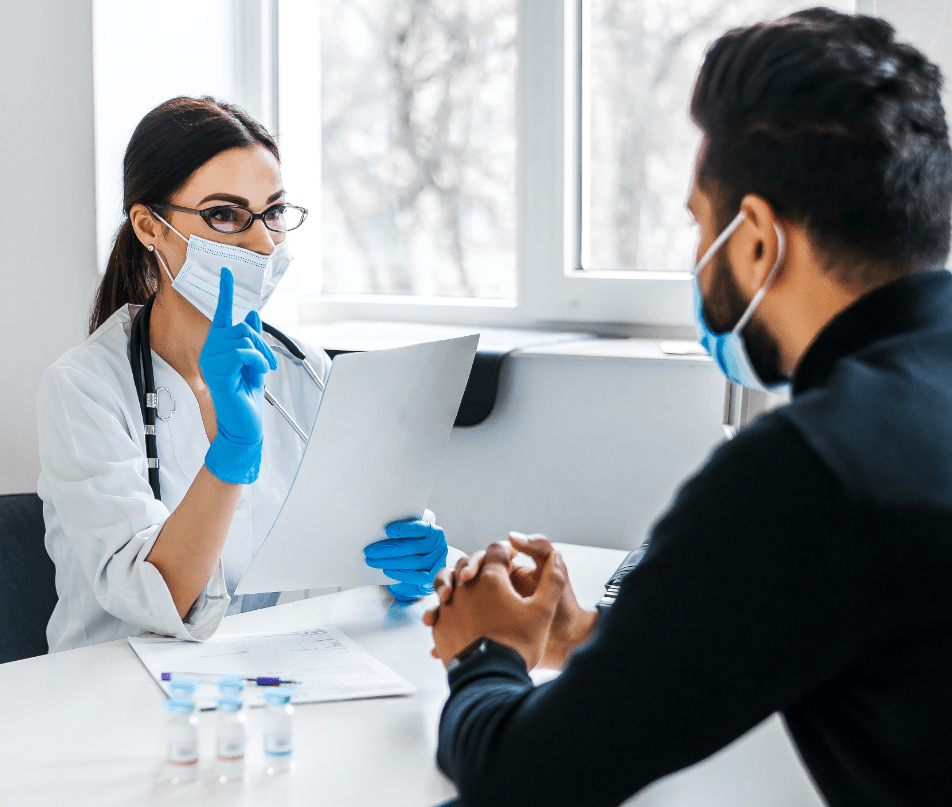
(231, 218)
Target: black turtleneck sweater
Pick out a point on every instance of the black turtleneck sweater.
(806, 569)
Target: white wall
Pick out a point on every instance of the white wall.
(191, 49)
(585, 448)
(47, 210)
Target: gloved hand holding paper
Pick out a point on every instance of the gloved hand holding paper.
(412, 554)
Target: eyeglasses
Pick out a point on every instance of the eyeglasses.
(237, 219)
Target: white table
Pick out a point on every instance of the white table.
(85, 727)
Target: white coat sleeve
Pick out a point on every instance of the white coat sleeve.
(96, 479)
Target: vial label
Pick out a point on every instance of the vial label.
(231, 749)
(183, 755)
(278, 744)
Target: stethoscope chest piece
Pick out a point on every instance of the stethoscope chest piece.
(164, 404)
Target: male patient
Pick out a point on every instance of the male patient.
(807, 568)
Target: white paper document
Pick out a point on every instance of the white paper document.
(326, 664)
(372, 457)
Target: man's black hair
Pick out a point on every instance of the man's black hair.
(841, 128)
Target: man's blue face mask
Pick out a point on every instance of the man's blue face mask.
(728, 349)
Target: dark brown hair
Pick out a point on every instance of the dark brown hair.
(840, 127)
(170, 143)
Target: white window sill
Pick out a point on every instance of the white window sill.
(377, 335)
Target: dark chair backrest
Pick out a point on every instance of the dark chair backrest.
(27, 578)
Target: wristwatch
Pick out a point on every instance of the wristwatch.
(479, 646)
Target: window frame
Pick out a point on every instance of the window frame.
(552, 290)
(553, 191)
(256, 65)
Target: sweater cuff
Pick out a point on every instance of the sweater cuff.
(496, 660)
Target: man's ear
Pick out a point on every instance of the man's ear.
(755, 248)
(144, 224)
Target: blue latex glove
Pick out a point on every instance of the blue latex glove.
(234, 361)
(413, 553)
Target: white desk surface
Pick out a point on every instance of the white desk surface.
(86, 727)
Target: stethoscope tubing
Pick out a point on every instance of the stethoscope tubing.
(148, 398)
(140, 357)
(296, 352)
(285, 414)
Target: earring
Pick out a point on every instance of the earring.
(150, 248)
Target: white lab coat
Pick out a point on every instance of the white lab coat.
(101, 516)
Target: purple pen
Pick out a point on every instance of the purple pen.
(261, 680)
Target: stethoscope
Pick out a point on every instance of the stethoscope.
(140, 351)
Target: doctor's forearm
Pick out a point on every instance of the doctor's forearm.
(191, 541)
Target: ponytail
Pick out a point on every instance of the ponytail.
(129, 278)
(170, 143)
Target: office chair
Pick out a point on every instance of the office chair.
(27, 578)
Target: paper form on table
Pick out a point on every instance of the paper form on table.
(329, 665)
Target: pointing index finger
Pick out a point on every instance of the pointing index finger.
(226, 294)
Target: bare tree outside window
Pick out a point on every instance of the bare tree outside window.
(639, 61)
(419, 147)
(418, 154)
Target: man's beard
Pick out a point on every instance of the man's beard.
(723, 308)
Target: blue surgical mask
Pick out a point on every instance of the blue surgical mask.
(728, 349)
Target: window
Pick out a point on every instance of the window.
(638, 59)
(418, 147)
(508, 162)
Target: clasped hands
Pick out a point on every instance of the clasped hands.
(533, 609)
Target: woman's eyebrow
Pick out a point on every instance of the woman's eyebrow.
(240, 200)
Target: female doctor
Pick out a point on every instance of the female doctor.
(202, 191)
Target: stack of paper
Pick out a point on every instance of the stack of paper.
(372, 457)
